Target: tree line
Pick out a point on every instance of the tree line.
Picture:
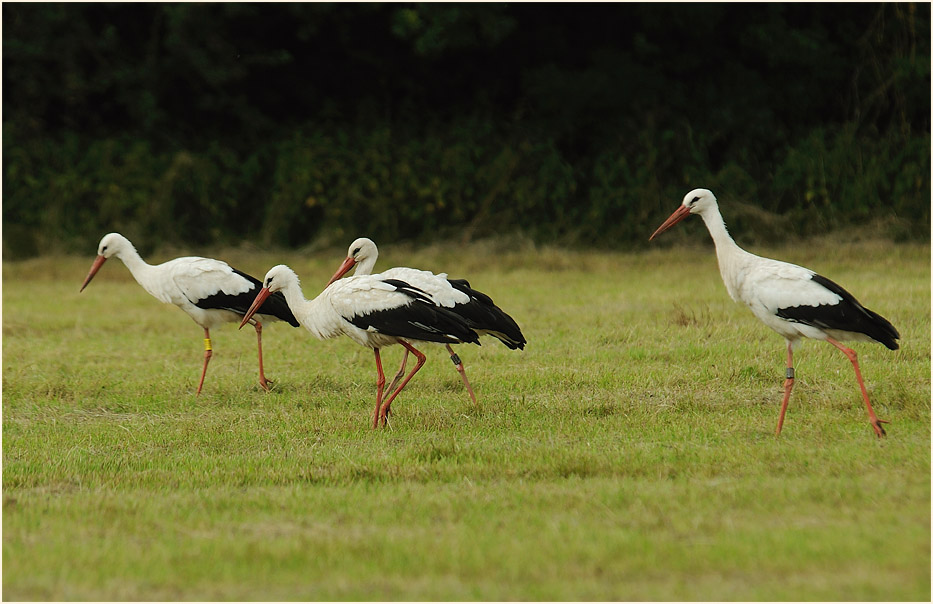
(583, 123)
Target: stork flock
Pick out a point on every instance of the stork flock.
(405, 305)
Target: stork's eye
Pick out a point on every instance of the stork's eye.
(356, 251)
(694, 200)
(103, 249)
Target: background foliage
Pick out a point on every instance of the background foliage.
(288, 124)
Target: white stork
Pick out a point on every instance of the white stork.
(476, 307)
(792, 300)
(209, 291)
(374, 311)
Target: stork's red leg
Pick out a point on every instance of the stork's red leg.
(788, 386)
(401, 372)
(459, 365)
(380, 383)
(875, 422)
(207, 358)
(421, 358)
(262, 377)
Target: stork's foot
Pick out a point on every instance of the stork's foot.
(266, 384)
(384, 416)
(381, 416)
(876, 424)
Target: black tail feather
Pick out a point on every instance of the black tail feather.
(482, 314)
(882, 330)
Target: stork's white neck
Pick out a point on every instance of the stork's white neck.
(366, 265)
(296, 299)
(308, 312)
(717, 228)
(730, 256)
(138, 267)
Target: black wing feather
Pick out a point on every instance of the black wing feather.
(847, 315)
(420, 319)
(274, 306)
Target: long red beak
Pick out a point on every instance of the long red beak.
(347, 265)
(260, 298)
(678, 215)
(98, 262)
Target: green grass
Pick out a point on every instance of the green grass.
(626, 454)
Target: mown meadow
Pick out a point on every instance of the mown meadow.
(626, 454)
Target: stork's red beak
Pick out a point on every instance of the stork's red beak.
(347, 265)
(98, 262)
(260, 298)
(678, 215)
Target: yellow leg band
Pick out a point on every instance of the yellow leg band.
(207, 343)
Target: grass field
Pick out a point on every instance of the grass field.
(626, 454)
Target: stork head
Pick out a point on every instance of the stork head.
(279, 277)
(363, 251)
(696, 201)
(112, 244)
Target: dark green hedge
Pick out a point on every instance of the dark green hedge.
(586, 124)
